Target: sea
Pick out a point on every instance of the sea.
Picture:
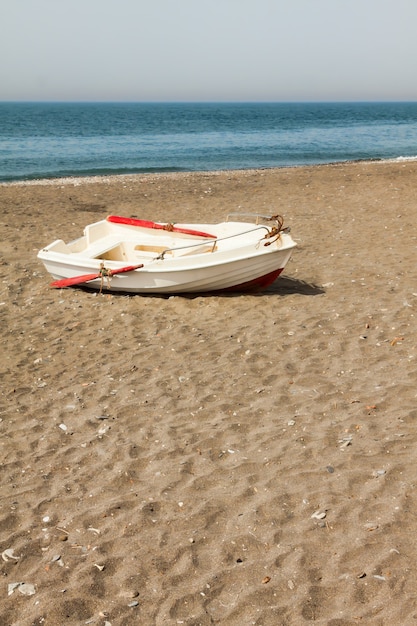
(52, 140)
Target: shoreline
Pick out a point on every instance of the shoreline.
(88, 179)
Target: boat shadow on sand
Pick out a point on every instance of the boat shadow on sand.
(283, 286)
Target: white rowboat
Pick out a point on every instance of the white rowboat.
(129, 255)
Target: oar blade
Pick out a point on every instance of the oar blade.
(74, 280)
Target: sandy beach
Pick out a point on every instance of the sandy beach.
(245, 459)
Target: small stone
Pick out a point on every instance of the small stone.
(9, 555)
(378, 473)
(99, 567)
(11, 587)
(26, 589)
(371, 526)
(345, 442)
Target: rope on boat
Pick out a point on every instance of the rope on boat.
(273, 233)
(104, 273)
(276, 230)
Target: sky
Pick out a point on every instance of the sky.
(208, 50)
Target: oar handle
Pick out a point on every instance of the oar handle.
(120, 270)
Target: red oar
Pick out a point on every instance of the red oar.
(78, 280)
(131, 221)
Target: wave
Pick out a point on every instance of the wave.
(402, 158)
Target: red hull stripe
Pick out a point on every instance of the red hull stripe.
(131, 221)
(257, 283)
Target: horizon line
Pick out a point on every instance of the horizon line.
(110, 101)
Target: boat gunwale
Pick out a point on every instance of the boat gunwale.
(116, 241)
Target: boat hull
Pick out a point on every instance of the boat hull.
(201, 267)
